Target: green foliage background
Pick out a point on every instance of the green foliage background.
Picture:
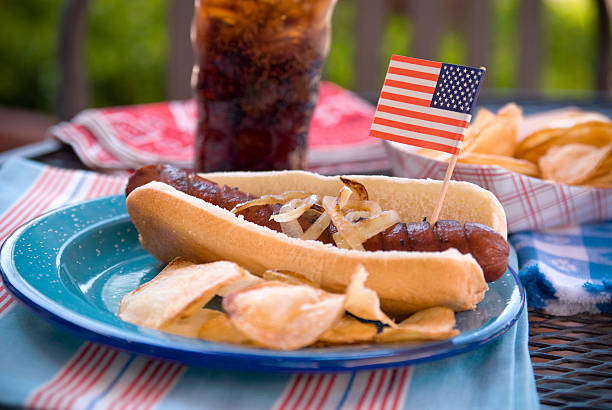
(127, 48)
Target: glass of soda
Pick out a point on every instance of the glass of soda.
(256, 77)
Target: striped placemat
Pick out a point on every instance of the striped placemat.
(44, 367)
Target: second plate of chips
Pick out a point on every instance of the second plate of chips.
(548, 170)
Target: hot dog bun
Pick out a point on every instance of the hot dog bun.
(172, 223)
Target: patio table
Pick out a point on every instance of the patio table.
(571, 355)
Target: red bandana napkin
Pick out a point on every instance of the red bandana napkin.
(132, 136)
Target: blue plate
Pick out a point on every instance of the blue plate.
(73, 266)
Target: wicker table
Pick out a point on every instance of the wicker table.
(572, 359)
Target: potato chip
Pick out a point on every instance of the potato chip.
(493, 139)
(362, 301)
(511, 164)
(603, 172)
(219, 328)
(536, 139)
(349, 330)
(498, 135)
(597, 134)
(282, 316)
(433, 154)
(558, 118)
(604, 181)
(180, 289)
(245, 281)
(568, 117)
(435, 323)
(573, 163)
(480, 120)
(289, 277)
(189, 326)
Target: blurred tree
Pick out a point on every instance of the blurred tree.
(569, 52)
(338, 66)
(570, 46)
(504, 70)
(28, 34)
(127, 49)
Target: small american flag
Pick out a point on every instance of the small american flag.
(426, 103)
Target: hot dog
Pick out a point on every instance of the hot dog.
(179, 213)
(488, 247)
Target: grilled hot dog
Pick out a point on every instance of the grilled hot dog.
(486, 246)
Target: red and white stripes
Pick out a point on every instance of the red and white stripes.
(404, 113)
(32, 203)
(307, 391)
(97, 377)
(102, 378)
(94, 375)
(54, 187)
(6, 300)
(81, 372)
(381, 389)
(145, 383)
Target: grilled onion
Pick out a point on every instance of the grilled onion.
(316, 229)
(292, 228)
(343, 197)
(293, 209)
(372, 226)
(345, 228)
(271, 200)
(288, 215)
(355, 217)
(369, 206)
(357, 187)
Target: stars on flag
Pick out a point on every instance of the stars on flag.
(457, 88)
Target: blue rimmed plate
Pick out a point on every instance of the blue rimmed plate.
(73, 265)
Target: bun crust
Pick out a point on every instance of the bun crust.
(172, 223)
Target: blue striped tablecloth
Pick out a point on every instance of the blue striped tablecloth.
(44, 367)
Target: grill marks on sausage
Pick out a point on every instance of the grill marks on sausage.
(452, 235)
(488, 250)
(486, 246)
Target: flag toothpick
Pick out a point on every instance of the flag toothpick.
(429, 105)
(447, 177)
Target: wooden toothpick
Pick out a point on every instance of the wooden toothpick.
(449, 173)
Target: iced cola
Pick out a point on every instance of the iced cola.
(258, 64)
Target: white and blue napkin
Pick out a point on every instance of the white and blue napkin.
(568, 270)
